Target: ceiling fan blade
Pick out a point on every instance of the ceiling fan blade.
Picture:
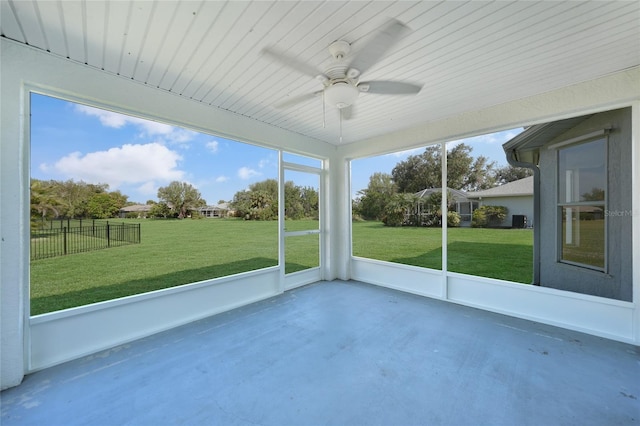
(287, 103)
(378, 45)
(389, 88)
(292, 62)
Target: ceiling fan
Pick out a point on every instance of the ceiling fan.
(341, 79)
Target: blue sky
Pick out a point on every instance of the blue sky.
(136, 156)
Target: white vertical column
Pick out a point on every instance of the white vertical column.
(444, 209)
(14, 222)
(281, 222)
(337, 231)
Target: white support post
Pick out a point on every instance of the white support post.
(444, 210)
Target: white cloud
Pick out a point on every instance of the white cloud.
(406, 153)
(222, 179)
(149, 189)
(246, 173)
(490, 138)
(147, 128)
(212, 146)
(143, 164)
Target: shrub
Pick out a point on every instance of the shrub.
(488, 216)
(453, 219)
(394, 213)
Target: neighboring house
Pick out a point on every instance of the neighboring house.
(464, 205)
(141, 209)
(583, 208)
(516, 196)
(220, 210)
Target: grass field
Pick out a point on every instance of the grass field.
(505, 254)
(176, 252)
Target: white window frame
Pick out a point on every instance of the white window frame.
(601, 135)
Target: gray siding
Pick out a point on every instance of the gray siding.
(616, 282)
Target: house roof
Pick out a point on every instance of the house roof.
(516, 188)
(525, 146)
(136, 208)
(466, 55)
(222, 206)
(457, 194)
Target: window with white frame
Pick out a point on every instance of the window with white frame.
(582, 198)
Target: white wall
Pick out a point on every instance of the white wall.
(515, 205)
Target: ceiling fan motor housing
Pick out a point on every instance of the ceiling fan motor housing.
(341, 94)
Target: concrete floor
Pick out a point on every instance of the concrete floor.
(342, 353)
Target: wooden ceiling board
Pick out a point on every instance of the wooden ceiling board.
(202, 62)
(33, 25)
(49, 15)
(115, 33)
(160, 20)
(467, 55)
(10, 25)
(139, 20)
(232, 49)
(182, 19)
(96, 18)
(214, 21)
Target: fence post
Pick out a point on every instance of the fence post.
(64, 239)
(108, 236)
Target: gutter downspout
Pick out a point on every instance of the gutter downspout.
(512, 159)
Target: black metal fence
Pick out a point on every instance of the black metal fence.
(77, 236)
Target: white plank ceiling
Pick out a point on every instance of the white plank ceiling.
(467, 55)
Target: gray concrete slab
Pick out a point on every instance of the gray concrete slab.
(342, 353)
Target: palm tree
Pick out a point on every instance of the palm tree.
(44, 201)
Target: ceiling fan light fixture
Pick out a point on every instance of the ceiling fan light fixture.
(341, 94)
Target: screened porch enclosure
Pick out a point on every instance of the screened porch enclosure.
(348, 339)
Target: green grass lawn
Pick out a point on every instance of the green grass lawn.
(171, 253)
(176, 252)
(494, 253)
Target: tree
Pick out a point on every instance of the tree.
(310, 202)
(104, 205)
(76, 196)
(181, 197)
(418, 172)
(374, 199)
(45, 202)
(72, 199)
(160, 210)
(596, 194)
(464, 172)
(509, 173)
(259, 202)
(293, 205)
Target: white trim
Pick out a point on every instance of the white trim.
(608, 318)
(301, 233)
(136, 298)
(62, 336)
(301, 278)
(301, 168)
(579, 139)
(444, 209)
